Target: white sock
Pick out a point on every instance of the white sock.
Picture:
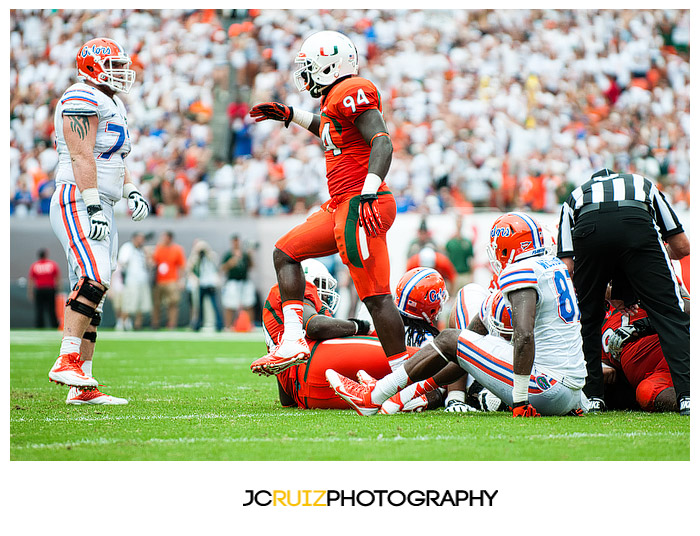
(70, 345)
(461, 396)
(389, 385)
(293, 313)
(87, 367)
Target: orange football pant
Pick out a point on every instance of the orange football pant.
(334, 229)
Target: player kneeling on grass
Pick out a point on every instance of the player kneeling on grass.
(342, 344)
(464, 394)
(542, 372)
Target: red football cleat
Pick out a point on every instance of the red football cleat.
(67, 370)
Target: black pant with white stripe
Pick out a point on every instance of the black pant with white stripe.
(623, 241)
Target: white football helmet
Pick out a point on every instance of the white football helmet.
(325, 57)
(317, 274)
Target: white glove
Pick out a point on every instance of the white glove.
(137, 203)
(619, 338)
(99, 226)
(455, 406)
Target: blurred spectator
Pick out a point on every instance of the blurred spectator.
(428, 257)
(42, 284)
(203, 264)
(169, 260)
(423, 239)
(238, 293)
(460, 252)
(476, 101)
(21, 204)
(135, 266)
(198, 199)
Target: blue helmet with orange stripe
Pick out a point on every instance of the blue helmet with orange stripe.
(421, 293)
(514, 236)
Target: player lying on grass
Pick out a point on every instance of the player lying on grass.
(542, 372)
(361, 209)
(631, 346)
(344, 344)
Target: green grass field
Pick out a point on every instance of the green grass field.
(192, 397)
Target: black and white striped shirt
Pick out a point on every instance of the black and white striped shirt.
(606, 186)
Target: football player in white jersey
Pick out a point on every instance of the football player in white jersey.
(92, 139)
(542, 370)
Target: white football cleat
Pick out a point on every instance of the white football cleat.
(67, 370)
(392, 405)
(416, 405)
(78, 396)
(287, 354)
(359, 396)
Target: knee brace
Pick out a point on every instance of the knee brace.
(96, 319)
(90, 336)
(88, 289)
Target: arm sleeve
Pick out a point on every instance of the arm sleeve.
(79, 102)
(516, 277)
(565, 242)
(666, 218)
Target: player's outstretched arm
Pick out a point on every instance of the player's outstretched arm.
(278, 111)
(319, 327)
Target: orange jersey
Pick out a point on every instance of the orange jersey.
(642, 361)
(347, 152)
(306, 384)
(273, 318)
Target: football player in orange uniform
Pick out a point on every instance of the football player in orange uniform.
(355, 220)
(332, 343)
(631, 345)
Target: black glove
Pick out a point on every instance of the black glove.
(272, 110)
(368, 214)
(362, 326)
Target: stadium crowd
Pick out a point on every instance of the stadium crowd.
(507, 108)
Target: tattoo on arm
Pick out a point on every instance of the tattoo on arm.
(79, 124)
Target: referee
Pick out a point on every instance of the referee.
(614, 226)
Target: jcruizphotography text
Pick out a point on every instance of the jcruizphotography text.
(377, 497)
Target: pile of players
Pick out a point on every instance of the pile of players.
(522, 349)
(518, 346)
(470, 366)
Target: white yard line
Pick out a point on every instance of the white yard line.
(42, 336)
(417, 439)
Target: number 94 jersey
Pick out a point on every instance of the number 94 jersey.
(558, 346)
(347, 152)
(111, 145)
